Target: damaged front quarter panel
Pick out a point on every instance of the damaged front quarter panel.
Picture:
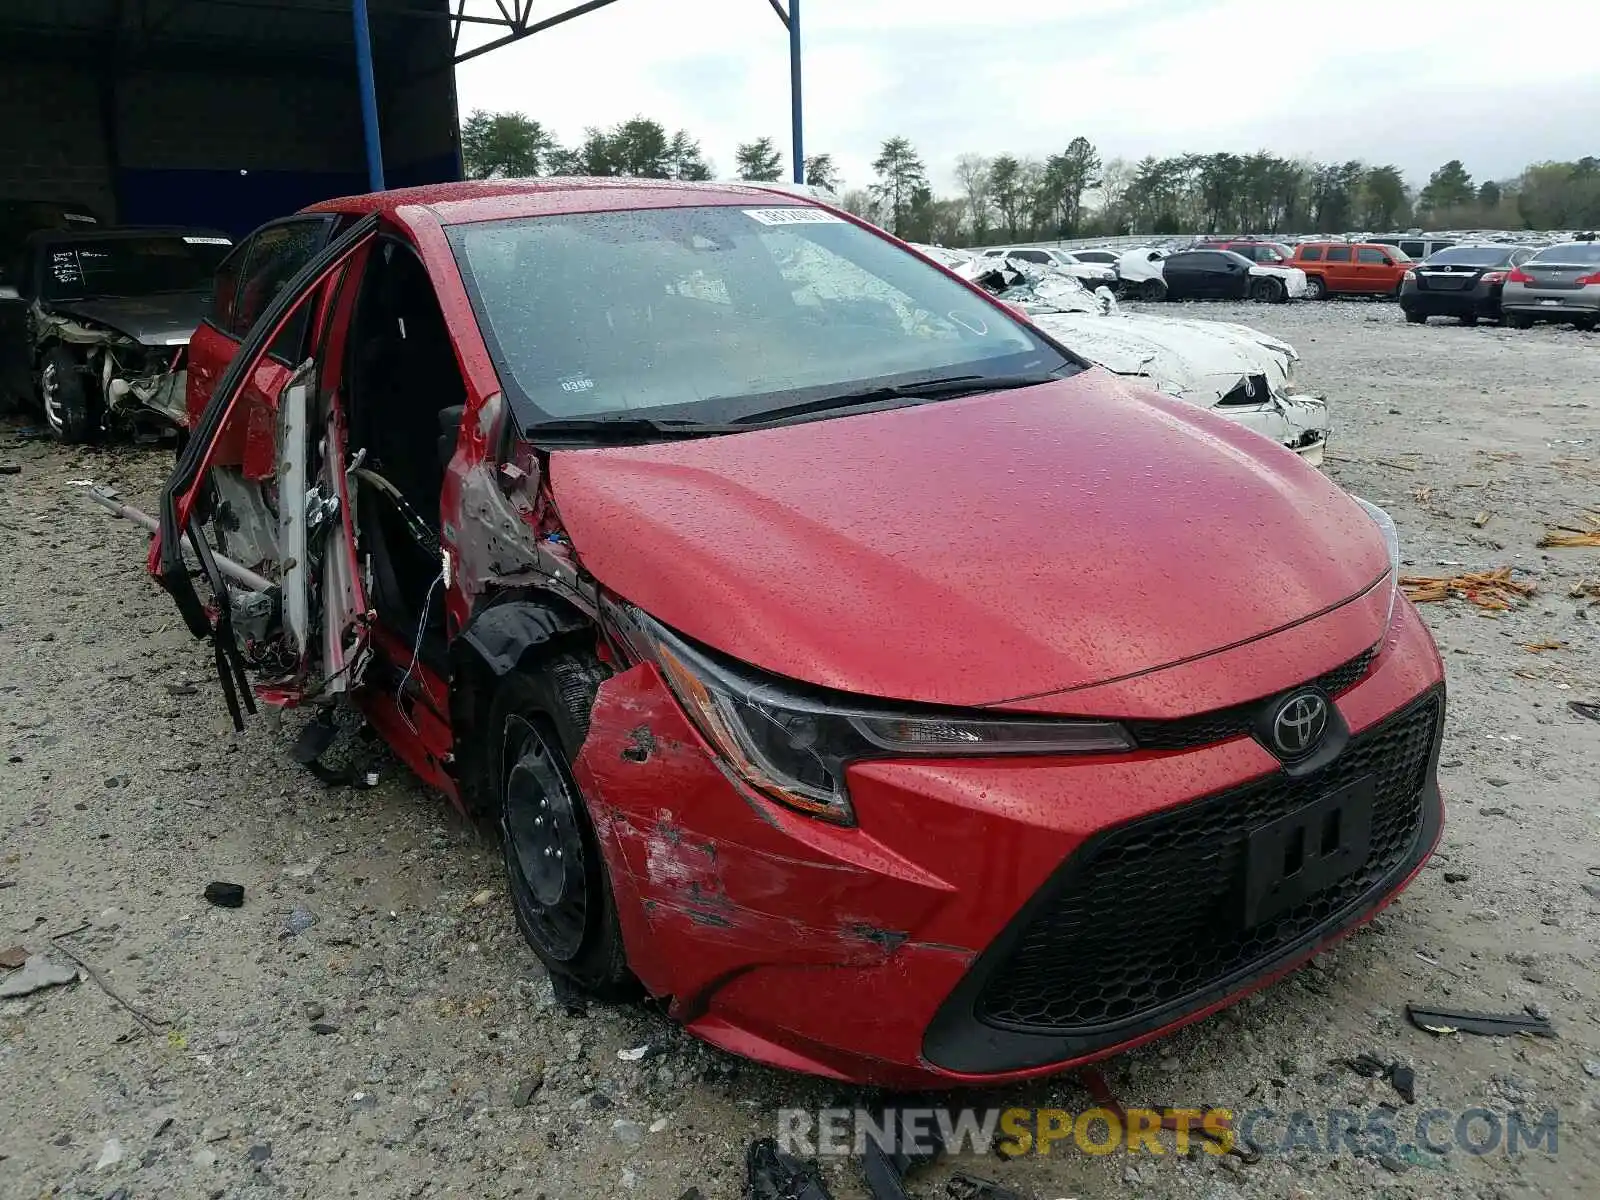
(713, 880)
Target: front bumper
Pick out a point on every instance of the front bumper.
(872, 954)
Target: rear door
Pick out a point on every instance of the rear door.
(304, 621)
(1183, 279)
(1338, 268)
(245, 284)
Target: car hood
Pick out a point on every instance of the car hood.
(973, 551)
(165, 320)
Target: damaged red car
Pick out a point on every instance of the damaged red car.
(838, 658)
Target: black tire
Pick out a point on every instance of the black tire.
(1518, 320)
(1316, 288)
(1152, 289)
(1585, 324)
(1416, 318)
(560, 889)
(1469, 318)
(1268, 291)
(69, 409)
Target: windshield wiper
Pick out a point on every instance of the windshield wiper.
(946, 388)
(627, 429)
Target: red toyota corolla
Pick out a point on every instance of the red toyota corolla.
(838, 657)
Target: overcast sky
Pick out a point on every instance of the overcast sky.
(1413, 82)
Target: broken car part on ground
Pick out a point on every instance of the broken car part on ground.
(743, 682)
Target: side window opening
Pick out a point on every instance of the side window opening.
(1311, 254)
(1368, 254)
(1338, 254)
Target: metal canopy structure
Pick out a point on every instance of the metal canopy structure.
(230, 112)
(516, 18)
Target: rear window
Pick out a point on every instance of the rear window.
(1310, 253)
(1469, 256)
(1575, 253)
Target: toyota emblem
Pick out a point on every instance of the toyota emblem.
(1299, 723)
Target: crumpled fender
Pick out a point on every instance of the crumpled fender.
(711, 880)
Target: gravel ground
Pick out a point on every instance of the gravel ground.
(370, 1024)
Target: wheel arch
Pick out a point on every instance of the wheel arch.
(509, 631)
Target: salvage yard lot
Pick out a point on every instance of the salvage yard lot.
(444, 1065)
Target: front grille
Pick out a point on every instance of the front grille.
(1220, 724)
(1149, 916)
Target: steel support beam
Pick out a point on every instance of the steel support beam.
(367, 82)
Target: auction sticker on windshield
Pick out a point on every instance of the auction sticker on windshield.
(793, 216)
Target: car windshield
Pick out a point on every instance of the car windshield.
(720, 313)
(1569, 254)
(1469, 256)
(132, 266)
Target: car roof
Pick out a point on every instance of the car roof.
(496, 199)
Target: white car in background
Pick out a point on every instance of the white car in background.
(1088, 272)
(1233, 370)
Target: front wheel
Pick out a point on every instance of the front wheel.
(1316, 289)
(1269, 291)
(560, 890)
(69, 410)
(1152, 289)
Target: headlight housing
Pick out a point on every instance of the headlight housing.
(1391, 539)
(792, 743)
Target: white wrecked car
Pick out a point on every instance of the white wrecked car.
(1090, 274)
(1237, 372)
(1206, 273)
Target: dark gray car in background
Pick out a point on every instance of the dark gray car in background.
(1462, 281)
(1559, 283)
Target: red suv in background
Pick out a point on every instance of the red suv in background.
(1256, 250)
(805, 623)
(1353, 268)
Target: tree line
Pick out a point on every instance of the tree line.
(1075, 193)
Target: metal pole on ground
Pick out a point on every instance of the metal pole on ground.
(369, 95)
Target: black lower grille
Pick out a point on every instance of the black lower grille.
(1150, 915)
(1221, 724)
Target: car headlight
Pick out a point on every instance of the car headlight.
(1391, 539)
(793, 744)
